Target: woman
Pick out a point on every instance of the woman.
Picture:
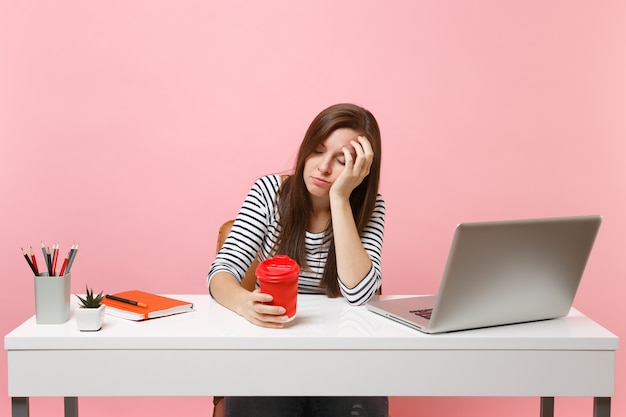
(328, 217)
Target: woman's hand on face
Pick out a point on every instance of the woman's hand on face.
(355, 169)
(256, 311)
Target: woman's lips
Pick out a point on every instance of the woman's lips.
(319, 181)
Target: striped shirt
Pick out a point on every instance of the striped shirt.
(256, 229)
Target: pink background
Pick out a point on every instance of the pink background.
(137, 127)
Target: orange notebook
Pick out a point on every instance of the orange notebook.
(156, 305)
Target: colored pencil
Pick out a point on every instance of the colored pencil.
(30, 263)
(45, 256)
(72, 255)
(49, 257)
(67, 257)
(55, 256)
(32, 257)
(126, 300)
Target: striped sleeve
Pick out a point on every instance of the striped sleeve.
(249, 229)
(372, 240)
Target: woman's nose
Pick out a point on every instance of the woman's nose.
(324, 166)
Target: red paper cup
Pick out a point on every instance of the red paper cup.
(278, 276)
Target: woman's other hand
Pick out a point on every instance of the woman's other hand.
(358, 161)
(253, 306)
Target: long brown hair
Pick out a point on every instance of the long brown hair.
(294, 202)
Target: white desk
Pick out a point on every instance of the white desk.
(208, 351)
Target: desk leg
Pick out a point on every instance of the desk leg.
(601, 406)
(71, 406)
(19, 406)
(547, 407)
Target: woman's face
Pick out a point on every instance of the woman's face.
(327, 161)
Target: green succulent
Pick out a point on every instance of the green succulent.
(90, 301)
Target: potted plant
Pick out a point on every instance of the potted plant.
(90, 315)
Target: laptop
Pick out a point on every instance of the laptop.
(501, 273)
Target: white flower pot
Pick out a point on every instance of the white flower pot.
(89, 319)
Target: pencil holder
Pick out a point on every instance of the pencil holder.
(52, 299)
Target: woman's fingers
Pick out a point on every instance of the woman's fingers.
(263, 314)
(364, 156)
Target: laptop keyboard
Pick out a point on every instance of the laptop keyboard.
(426, 313)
